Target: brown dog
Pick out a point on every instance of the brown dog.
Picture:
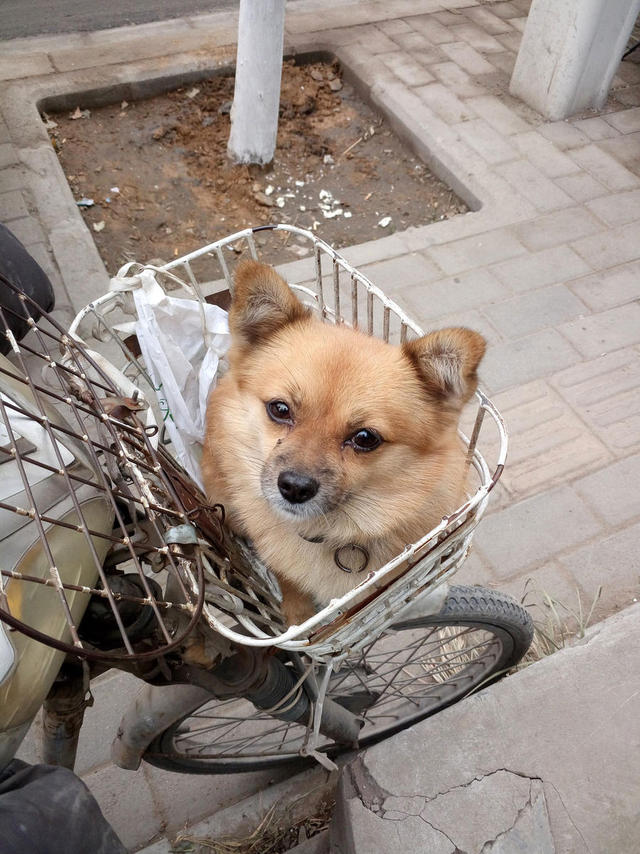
(329, 449)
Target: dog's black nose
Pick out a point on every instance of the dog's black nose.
(297, 488)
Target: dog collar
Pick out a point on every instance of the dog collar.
(349, 558)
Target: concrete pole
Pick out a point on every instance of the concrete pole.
(256, 98)
(570, 52)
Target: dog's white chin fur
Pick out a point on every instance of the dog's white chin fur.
(303, 512)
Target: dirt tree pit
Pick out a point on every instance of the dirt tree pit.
(153, 179)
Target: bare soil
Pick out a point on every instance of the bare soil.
(161, 183)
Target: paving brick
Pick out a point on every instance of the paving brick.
(377, 41)
(477, 37)
(412, 41)
(449, 19)
(519, 24)
(459, 293)
(475, 571)
(609, 288)
(624, 148)
(15, 67)
(366, 253)
(504, 62)
(627, 121)
(5, 136)
(617, 209)
(184, 799)
(535, 588)
(605, 392)
(595, 128)
(609, 248)
(511, 40)
(538, 269)
(127, 803)
(468, 318)
(490, 145)
(544, 155)
(12, 178)
(548, 442)
(431, 29)
(27, 230)
(630, 96)
(558, 227)
(564, 135)
(444, 103)
(393, 27)
(8, 155)
(604, 168)
(456, 80)
(487, 20)
(606, 331)
(497, 114)
(84, 283)
(467, 57)
(581, 186)
(101, 720)
(395, 274)
(537, 309)
(407, 69)
(629, 72)
(515, 362)
(534, 185)
(497, 82)
(535, 530)
(12, 206)
(476, 251)
(506, 11)
(611, 564)
(613, 491)
(41, 254)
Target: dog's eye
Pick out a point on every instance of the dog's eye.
(279, 411)
(364, 440)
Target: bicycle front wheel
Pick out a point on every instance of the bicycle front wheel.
(413, 670)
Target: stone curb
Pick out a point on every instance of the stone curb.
(289, 801)
(563, 781)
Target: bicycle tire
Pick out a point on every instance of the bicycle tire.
(473, 609)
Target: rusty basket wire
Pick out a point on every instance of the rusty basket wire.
(241, 597)
(92, 506)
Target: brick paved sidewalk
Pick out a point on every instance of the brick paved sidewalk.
(547, 267)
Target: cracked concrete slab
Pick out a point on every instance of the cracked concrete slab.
(365, 831)
(531, 830)
(560, 778)
(490, 807)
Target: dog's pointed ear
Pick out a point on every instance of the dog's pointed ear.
(262, 303)
(447, 363)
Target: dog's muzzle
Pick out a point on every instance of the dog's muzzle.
(296, 488)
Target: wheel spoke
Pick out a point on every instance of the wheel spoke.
(410, 671)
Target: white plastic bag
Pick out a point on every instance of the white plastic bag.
(182, 342)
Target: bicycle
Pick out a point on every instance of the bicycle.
(113, 558)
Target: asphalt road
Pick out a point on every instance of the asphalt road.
(20, 18)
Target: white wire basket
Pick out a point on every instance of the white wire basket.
(339, 294)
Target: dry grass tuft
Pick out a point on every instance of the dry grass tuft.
(274, 835)
(560, 623)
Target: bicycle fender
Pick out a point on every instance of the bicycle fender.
(154, 709)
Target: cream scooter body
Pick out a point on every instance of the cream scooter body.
(27, 667)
